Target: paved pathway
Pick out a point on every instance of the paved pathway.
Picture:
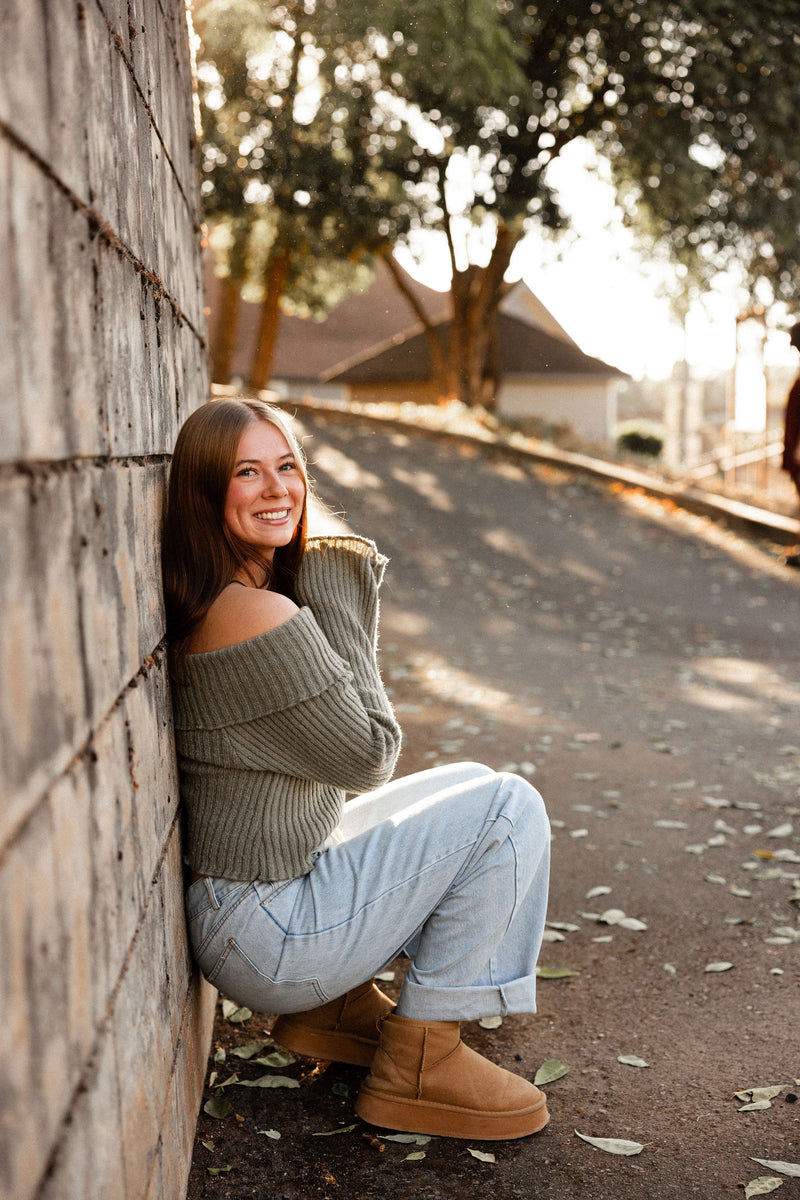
(640, 664)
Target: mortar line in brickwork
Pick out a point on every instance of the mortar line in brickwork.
(104, 1025)
(120, 45)
(34, 468)
(100, 228)
(84, 751)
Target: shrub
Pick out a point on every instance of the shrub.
(640, 438)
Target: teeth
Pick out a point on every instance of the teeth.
(280, 515)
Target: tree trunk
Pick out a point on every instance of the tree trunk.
(269, 320)
(493, 372)
(477, 292)
(223, 334)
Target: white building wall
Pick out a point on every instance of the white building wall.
(588, 407)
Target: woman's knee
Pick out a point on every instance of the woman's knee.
(524, 805)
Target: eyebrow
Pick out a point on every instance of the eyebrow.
(241, 462)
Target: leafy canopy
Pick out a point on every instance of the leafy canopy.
(692, 103)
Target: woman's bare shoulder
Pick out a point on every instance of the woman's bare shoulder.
(238, 614)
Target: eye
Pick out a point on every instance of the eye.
(288, 466)
(245, 472)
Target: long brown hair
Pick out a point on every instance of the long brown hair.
(200, 556)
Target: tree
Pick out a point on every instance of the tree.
(352, 126)
(691, 102)
(292, 137)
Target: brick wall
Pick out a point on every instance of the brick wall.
(103, 1026)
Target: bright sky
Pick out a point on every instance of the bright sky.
(603, 293)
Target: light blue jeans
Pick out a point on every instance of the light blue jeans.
(448, 866)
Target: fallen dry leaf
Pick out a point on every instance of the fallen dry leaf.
(267, 1081)
(250, 1048)
(762, 1186)
(760, 1093)
(781, 831)
(786, 1168)
(218, 1107)
(550, 1071)
(235, 1013)
(613, 1145)
(632, 1060)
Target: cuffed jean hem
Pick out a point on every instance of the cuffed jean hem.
(421, 1003)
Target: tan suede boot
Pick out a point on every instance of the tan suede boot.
(424, 1079)
(343, 1030)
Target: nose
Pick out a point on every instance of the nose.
(274, 484)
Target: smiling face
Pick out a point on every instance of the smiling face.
(266, 494)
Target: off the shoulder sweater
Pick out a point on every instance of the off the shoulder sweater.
(272, 732)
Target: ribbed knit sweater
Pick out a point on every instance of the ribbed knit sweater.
(271, 733)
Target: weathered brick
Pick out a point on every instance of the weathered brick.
(87, 1159)
(103, 136)
(34, 1073)
(23, 101)
(82, 594)
(68, 72)
(69, 809)
(118, 19)
(43, 701)
(151, 996)
(152, 772)
(170, 1170)
(52, 404)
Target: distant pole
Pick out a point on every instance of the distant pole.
(684, 413)
(750, 382)
(729, 462)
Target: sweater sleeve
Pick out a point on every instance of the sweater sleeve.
(336, 738)
(339, 582)
(350, 733)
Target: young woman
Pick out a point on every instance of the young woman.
(297, 900)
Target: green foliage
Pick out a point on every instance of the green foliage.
(291, 139)
(641, 443)
(692, 102)
(339, 128)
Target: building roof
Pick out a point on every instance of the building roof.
(378, 323)
(306, 348)
(522, 351)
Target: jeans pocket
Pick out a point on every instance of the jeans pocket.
(199, 899)
(237, 977)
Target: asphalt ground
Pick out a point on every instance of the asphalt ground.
(639, 664)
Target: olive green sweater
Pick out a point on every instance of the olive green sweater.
(273, 731)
